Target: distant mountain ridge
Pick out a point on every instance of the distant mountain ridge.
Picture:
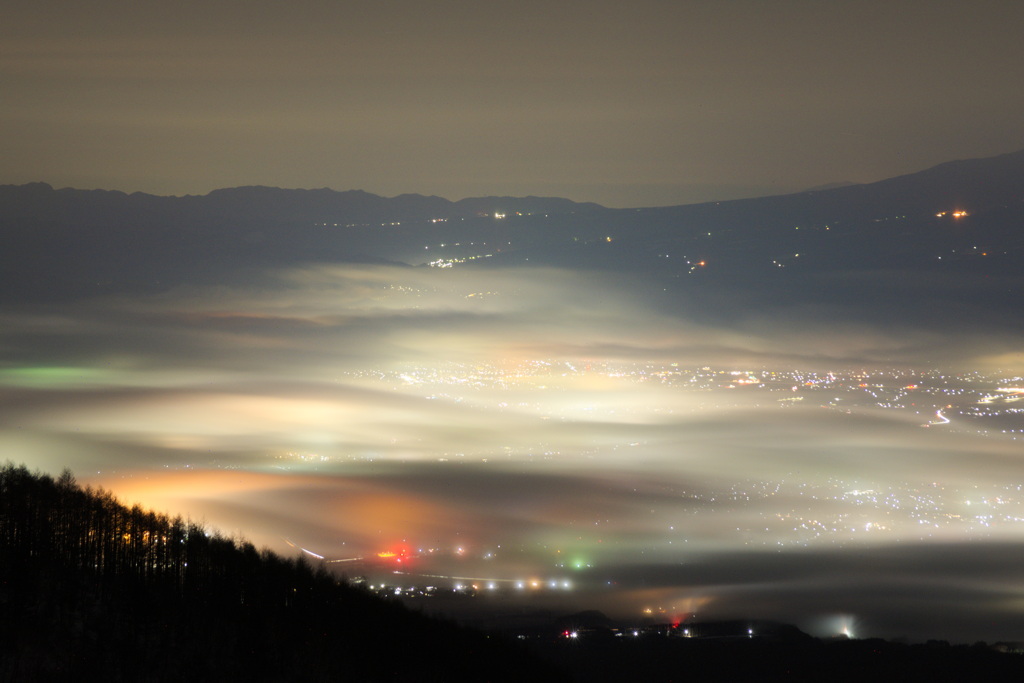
(960, 219)
(829, 186)
(67, 242)
(41, 200)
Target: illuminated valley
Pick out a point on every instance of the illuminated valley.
(632, 411)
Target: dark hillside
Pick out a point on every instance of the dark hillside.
(93, 590)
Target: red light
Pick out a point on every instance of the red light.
(400, 553)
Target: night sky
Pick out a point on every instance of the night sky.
(530, 424)
(625, 104)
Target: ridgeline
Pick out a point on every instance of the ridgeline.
(93, 590)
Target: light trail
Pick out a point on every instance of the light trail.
(552, 584)
(454, 578)
(308, 552)
(318, 556)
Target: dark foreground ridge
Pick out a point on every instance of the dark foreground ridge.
(93, 590)
(733, 651)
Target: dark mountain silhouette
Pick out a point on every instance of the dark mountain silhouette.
(830, 186)
(934, 245)
(939, 248)
(41, 202)
(727, 655)
(72, 243)
(93, 590)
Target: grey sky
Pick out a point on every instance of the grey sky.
(649, 103)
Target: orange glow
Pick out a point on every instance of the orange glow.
(197, 483)
(362, 511)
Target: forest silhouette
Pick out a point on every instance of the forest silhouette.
(91, 589)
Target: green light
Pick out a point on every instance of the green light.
(43, 377)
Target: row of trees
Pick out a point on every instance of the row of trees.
(90, 587)
(45, 520)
